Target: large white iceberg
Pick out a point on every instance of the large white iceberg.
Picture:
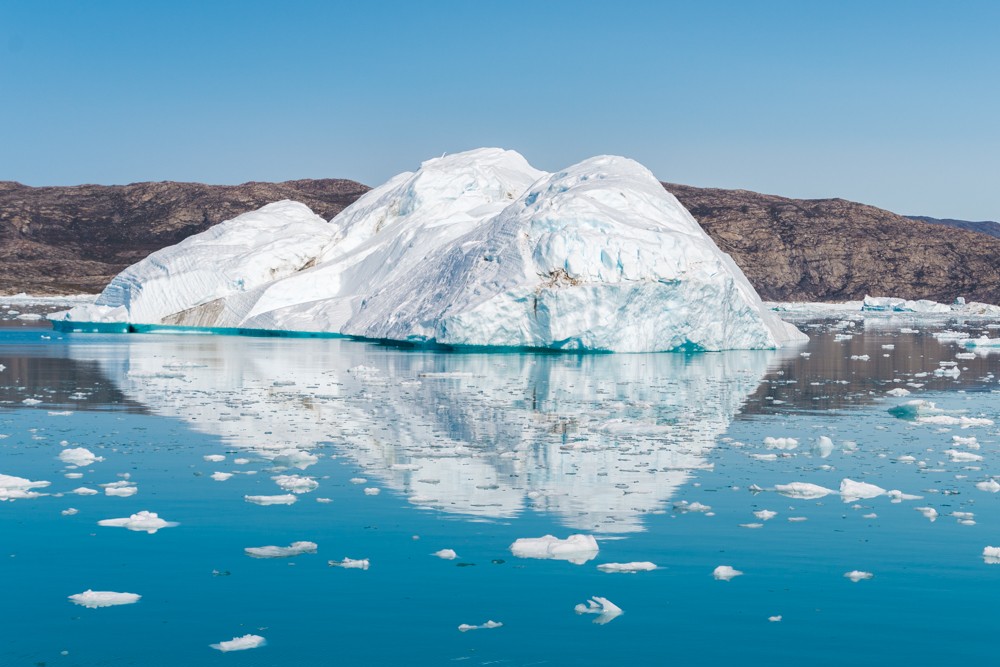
(478, 249)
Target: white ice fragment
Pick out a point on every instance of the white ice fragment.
(577, 549)
(606, 610)
(240, 643)
(79, 457)
(350, 563)
(488, 625)
(898, 391)
(803, 490)
(898, 496)
(296, 483)
(851, 490)
(781, 443)
(858, 575)
(294, 549)
(823, 447)
(120, 489)
(94, 599)
(19, 488)
(725, 573)
(221, 476)
(958, 456)
(989, 485)
(285, 499)
(685, 506)
(991, 555)
(144, 521)
(637, 566)
(358, 480)
(372, 491)
(294, 458)
(774, 619)
(446, 554)
(928, 512)
(84, 491)
(214, 458)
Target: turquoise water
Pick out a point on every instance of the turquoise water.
(470, 452)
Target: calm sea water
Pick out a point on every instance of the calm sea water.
(472, 451)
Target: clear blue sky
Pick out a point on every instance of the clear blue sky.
(891, 103)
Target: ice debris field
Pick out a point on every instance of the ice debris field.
(473, 249)
(272, 498)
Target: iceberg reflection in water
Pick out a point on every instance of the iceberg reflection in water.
(598, 440)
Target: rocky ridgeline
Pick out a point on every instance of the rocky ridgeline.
(59, 240)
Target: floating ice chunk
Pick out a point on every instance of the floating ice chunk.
(637, 566)
(928, 512)
(296, 483)
(350, 563)
(823, 447)
(962, 457)
(294, 549)
(685, 506)
(606, 610)
(860, 357)
(241, 461)
(765, 515)
(358, 480)
(989, 485)
(780, 443)
(31, 401)
(94, 599)
(797, 519)
(982, 341)
(576, 549)
(803, 490)
(122, 489)
(898, 391)
(73, 475)
(858, 575)
(144, 521)
(725, 573)
(221, 476)
(949, 420)
(898, 496)
(69, 511)
(324, 500)
(446, 554)
(240, 643)
(774, 619)
(488, 625)
(84, 491)
(285, 499)
(295, 458)
(971, 442)
(906, 458)
(214, 458)
(915, 408)
(79, 457)
(991, 555)
(19, 488)
(851, 490)
(372, 491)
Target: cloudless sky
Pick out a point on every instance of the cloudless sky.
(895, 104)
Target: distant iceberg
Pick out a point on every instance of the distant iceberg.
(473, 249)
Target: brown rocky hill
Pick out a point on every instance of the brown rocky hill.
(836, 250)
(58, 240)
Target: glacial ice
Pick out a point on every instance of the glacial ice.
(80, 457)
(631, 568)
(605, 609)
(94, 599)
(240, 643)
(294, 549)
(19, 488)
(488, 625)
(726, 573)
(576, 549)
(473, 249)
(144, 521)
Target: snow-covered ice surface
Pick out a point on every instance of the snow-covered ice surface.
(667, 459)
(473, 249)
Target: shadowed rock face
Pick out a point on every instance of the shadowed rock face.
(834, 250)
(59, 240)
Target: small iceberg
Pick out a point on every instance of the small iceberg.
(296, 483)
(991, 555)
(605, 609)
(94, 599)
(19, 488)
(446, 554)
(726, 573)
(576, 549)
(80, 457)
(143, 522)
(803, 490)
(240, 643)
(488, 625)
(638, 566)
(294, 549)
(350, 563)
(851, 491)
(284, 499)
(858, 575)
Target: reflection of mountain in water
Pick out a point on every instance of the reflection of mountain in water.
(596, 439)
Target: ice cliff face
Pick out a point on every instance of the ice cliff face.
(477, 248)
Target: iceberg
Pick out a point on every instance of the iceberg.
(473, 249)
(576, 549)
(95, 599)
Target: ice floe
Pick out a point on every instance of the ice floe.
(282, 499)
(294, 549)
(19, 488)
(240, 643)
(858, 575)
(79, 457)
(576, 549)
(637, 566)
(726, 573)
(605, 609)
(488, 625)
(446, 554)
(144, 522)
(94, 599)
